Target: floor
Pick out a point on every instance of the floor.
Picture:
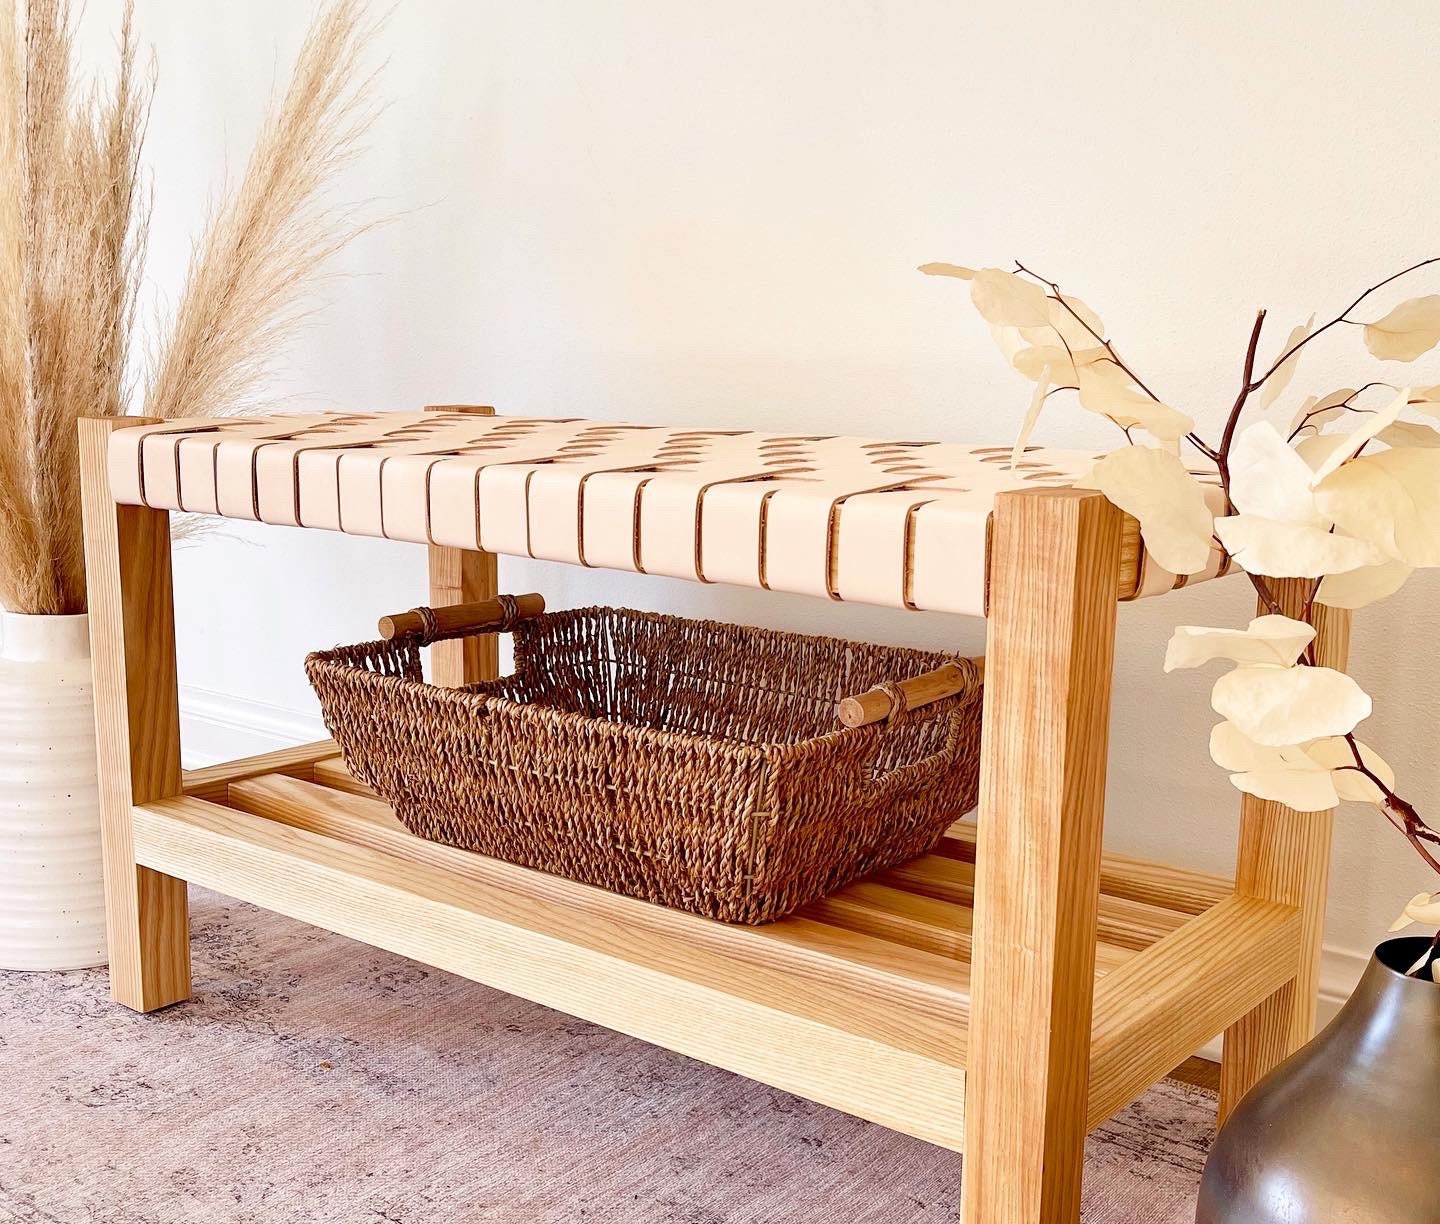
(313, 1080)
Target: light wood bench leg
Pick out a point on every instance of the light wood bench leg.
(1055, 557)
(458, 576)
(461, 576)
(132, 635)
(1284, 856)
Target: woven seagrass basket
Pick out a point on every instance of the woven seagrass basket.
(693, 764)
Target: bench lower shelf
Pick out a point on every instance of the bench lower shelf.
(860, 1001)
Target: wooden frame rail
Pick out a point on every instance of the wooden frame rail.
(1017, 964)
(876, 967)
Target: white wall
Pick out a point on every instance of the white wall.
(685, 212)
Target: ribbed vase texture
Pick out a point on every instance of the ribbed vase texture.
(52, 903)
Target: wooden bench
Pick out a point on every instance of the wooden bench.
(1002, 995)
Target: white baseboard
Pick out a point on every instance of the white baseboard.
(215, 727)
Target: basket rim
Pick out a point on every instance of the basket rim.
(504, 707)
(771, 750)
(838, 738)
(792, 635)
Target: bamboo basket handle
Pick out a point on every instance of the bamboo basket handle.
(498, 615)
(893, 699)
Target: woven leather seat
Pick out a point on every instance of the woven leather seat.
(900, 524)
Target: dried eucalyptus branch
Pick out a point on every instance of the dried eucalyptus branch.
(1342, 317)
(1326, 509)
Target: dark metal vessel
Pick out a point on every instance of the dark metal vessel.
(1346, 1130)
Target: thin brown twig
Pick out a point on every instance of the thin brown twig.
(1193, 438)
(1346, 404)
(1232, 422)
(1340, 318)
(1399, 812)
(1104, 343)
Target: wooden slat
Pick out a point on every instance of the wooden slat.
(1172, 888)
(918, 921)
(925, 905)
(213, 781)
(1124, 923)
(1161, 897)
(1055, 557)
(432, 913)
(458, 576)
(1178, 994)
(132, 642)
(331, 772)
(901, 917)
(909, 997)
(1284, 856)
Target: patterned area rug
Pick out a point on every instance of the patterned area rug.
(316, 1081)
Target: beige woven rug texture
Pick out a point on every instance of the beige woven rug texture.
(317, 1081)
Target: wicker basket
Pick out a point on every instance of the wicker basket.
(690, 763)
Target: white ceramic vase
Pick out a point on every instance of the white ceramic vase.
(52, 902)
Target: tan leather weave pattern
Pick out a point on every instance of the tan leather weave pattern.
(900, 524)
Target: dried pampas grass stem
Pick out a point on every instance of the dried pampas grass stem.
(73, 223)
(266, 242)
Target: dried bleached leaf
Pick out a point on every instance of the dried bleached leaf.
(1407, 332)
(1068, 338)
(1369, 425)
(1065, 342)
(1008, 300)
(1280, 377)
(1427, 399)
(1390, 499)
(1276, 641)
(1233, 750)
(1361, 587)
(1031, 361)
(1409, 433)
(1309, 778)
(947, 269)
(1072, 306)
(1032, 415)
(1155, 487)
(1273, 548)
(1317, 410)
(1268, 479)
(1071, 323)
(1318, 449)
(1422, 907)
(1284, 706)
(1286, 774)
(1304, 789)
(1336, 754)
(1010, 342)
(1109, 391)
